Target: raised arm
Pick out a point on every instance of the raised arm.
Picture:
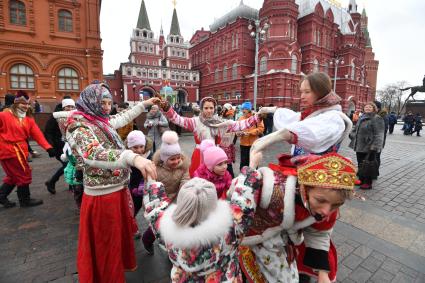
(240, 125)
(125, 117)
(184, 122)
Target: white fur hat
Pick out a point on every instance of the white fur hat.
(67, 102)
(170, 145)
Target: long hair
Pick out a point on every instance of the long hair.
(320, 84)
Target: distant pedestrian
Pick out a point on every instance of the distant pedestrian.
(179, 111)
(156, 123)
(409, 123)
(268, 122)
(367, 139)
(418, 124)
(392, 121)
(37, 107)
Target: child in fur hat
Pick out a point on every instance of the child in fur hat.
(214, 167)
(172, 168)
(201, 232)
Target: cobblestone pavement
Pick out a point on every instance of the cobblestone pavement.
(381, 239)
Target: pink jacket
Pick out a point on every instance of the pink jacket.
(222, 183)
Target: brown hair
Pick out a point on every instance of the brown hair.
(375, 108)
(320, 84)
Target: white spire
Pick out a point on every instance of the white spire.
(352, 7)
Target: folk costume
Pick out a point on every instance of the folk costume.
(15, 129)
(208, 250)
(283, 221)
(105, 245)
(319, 129)
(204, 128)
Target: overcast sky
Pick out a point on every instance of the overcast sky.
(397, 29)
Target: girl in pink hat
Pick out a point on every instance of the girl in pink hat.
(214, 167)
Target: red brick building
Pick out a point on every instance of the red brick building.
(50, 48)
(304, 36)
(155, 62)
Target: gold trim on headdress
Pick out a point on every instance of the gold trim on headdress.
(330, 171)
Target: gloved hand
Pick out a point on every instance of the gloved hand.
(51, 152)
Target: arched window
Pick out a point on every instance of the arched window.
(263, 65)
(21, 76)
(68, 79)
(294, 62)
(353, 71)
(65, 21)
(316, 66)
(216, 74)
(17, 13)
(235, 71)
(225, 73)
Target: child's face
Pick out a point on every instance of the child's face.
(220, 168)
(174, 161)
(138, 149)
(323, 202)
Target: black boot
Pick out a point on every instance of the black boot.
(24, 197)
(50, 187)
(5, 190)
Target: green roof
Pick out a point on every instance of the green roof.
(143, 21)
(175, 27)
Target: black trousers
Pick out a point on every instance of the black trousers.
(244, 156)
(391, 128)
(360, 157)
(58, 172)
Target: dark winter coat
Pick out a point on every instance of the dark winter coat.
(418, 122)
(53, 135)
(392, 119)
(368, 134)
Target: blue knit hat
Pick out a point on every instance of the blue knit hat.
(246, 106)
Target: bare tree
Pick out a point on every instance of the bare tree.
(391, 96)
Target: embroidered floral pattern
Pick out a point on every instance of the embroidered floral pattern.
(217, 262)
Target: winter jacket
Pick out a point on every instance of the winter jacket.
(254, 133)
(222, 183)
(392, 119)
(172, 179)
(158, 121)
(54, 136)
(207, 252)
(368, 134)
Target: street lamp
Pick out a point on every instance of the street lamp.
(134, 92)
(259, 33)
(337, 61)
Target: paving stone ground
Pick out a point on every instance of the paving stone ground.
(381, 239)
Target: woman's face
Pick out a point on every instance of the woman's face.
(174, 161)
(308, 97)
(106, 104)
(368, 108)
(322, 201)
(208, 109)
(154, 110)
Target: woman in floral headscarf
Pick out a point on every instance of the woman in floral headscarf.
(105, 243)
(206, 126)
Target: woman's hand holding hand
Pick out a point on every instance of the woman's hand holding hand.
(151, 101)
(223, 124)
(146, 167)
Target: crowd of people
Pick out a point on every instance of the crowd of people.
(265, 224)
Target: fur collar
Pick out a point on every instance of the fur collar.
(184, 164)
(268, 186)
(209, 231)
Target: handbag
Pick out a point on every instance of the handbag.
(368, 168)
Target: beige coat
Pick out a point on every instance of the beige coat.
(172, 179)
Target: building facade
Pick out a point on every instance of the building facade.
(49, 48)
(155, 63)
(304, 36)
